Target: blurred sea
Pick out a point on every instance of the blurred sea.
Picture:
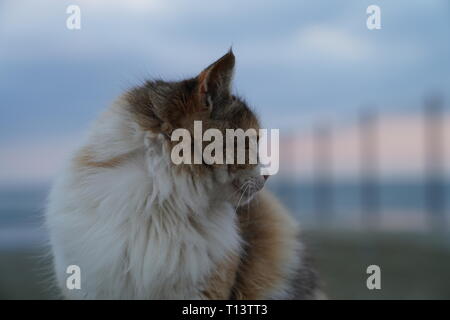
(21, 216)
(401, 206)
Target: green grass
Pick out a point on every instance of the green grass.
(413, 266)
(25, 274)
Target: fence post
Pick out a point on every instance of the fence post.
(323, 189)
(434, 161)
(369, 192)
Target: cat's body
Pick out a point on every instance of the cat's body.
(140, 227)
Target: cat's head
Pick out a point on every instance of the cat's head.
(163, 107)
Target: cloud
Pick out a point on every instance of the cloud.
(327, 41)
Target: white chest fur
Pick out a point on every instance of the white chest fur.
(130, 241)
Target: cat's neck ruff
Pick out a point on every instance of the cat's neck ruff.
(152, 232)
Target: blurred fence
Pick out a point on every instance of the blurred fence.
(434, 162)
(369, 201)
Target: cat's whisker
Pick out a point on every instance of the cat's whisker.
(237, 206)
(238, 191)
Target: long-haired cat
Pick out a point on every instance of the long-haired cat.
(141, 227)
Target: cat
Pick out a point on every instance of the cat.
(140, 227)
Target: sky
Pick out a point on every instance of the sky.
(298, 62)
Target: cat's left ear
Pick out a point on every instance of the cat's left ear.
(214, 83)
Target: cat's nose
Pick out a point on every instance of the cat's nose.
(266, 177)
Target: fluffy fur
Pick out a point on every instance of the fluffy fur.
(140, 227)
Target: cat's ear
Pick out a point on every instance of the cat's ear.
(214, 83)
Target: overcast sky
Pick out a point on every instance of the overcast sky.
(297, 61)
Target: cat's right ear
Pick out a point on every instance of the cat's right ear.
(214, 83)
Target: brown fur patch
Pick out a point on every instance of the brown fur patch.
(85, 158)
(222, 280)
(271, 238)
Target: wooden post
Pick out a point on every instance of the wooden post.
(370, 195)
(323, 186)
(434, 162)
